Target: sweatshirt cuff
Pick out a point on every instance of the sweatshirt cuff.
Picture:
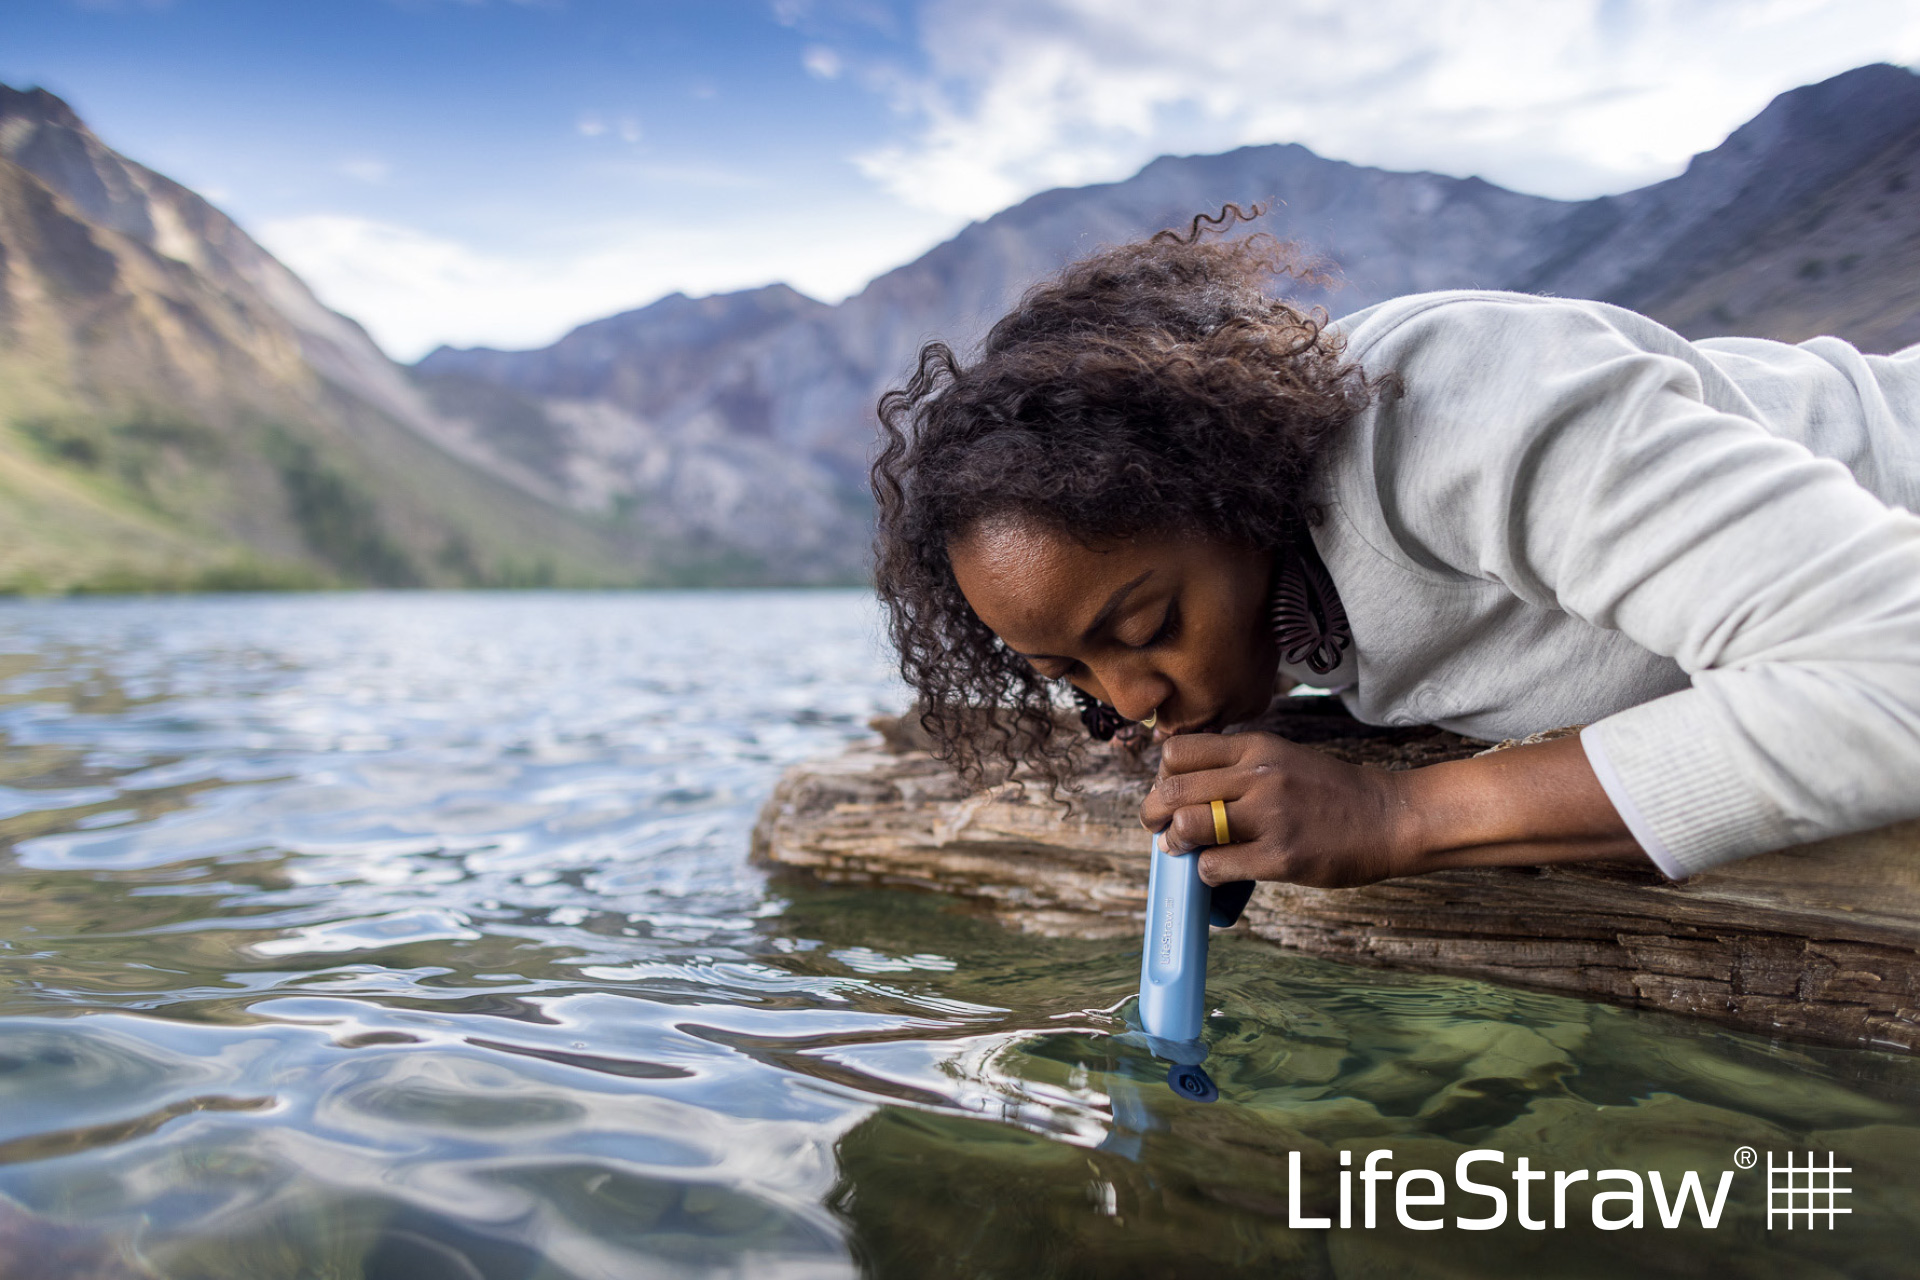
(1677, 783)
(1637, 825)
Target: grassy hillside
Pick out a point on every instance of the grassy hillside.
(177, 412)
(94, 500)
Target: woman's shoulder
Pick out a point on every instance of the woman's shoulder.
(1467, 318)
(1469, 381)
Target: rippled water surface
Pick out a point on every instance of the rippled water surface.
(415, 936)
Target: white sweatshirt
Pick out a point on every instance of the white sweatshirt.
(1572, 515)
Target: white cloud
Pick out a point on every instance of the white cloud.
(1560, 97)
(821, 62)
(366, 169)
(592, 124)
(414, 291)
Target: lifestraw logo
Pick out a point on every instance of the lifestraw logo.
(1538, 1199)
(1804, 1190)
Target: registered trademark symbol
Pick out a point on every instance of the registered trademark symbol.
(1746, 1157)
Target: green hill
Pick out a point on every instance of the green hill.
(178, 411)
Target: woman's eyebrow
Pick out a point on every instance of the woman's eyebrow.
(1112, 606)
(1100, 619)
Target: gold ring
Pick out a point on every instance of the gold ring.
(1220, 833)
(1151, 720)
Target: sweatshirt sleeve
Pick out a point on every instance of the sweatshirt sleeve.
(1534, 444)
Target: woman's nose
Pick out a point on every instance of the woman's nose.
(1135, 695)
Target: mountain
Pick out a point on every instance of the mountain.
(778, 391)
(693, 411)
(176, 409)
(1804, 221)
(1819, 177)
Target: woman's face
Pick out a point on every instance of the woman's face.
(1176, 626)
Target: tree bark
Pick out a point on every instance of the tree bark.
(1820, 942)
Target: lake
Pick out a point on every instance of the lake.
(415, 935)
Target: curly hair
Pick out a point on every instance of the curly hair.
(1157, 387)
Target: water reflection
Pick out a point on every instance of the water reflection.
(414, 936)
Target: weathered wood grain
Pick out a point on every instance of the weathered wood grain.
(1820, 942)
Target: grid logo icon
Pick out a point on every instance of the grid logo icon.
(1804, 1191)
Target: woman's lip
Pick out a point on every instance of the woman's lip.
(1163, 732)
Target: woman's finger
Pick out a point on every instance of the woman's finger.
(1191, 752)
(1172, 794)
(1193, 828)
(1231, 862)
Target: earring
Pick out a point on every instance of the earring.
(1101, 720)
(1309, 622)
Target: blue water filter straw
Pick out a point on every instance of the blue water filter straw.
(1173, 963)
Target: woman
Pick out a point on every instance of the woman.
(1492, 512)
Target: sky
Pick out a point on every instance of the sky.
(496, 171)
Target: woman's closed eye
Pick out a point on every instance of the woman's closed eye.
(1050, 667)
(1056, 668)
(1168, 628)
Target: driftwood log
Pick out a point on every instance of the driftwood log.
(1820, 942)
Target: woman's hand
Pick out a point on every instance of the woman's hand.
(1301, 816)
(1295, 814)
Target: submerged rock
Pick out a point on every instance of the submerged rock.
(33, 1244)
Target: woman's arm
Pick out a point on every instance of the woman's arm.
(1540, 448)
(1304, 817)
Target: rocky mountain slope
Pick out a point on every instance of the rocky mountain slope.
(749, 415)
(696, 415)
(176, 409)
(1824, 176)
